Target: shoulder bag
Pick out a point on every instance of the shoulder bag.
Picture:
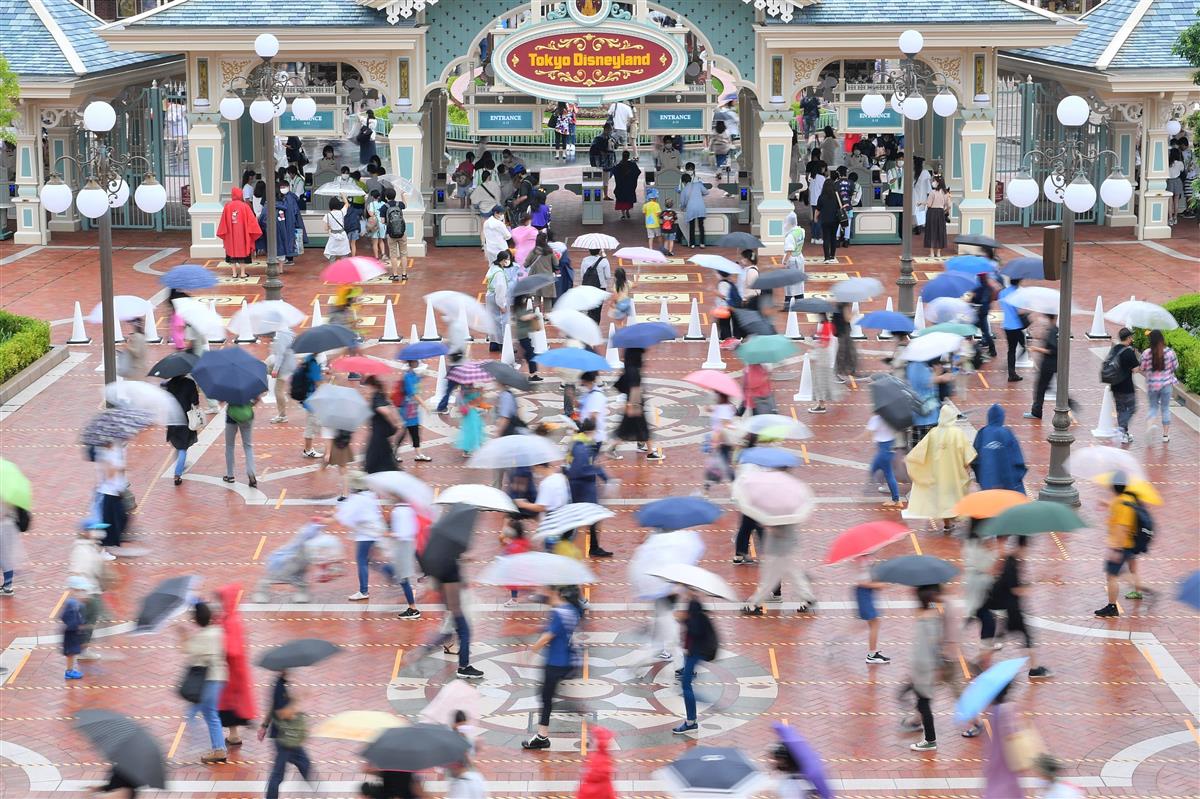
(192, 686)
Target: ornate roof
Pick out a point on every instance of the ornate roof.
(918, 12)
(259, 13)
(57, 39)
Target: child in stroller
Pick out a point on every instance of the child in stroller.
(313, 548)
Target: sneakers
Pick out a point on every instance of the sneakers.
(106, 555)
(1015, 378)
(663, 655)
(73, 674)
(973, 731)
(215, 756)
(536, 378)
(87, 655)
(1040, 671)
(599, 553)
(1134, 594)
(511, 603)
(6, 590)
(313, 453)
(878, 657)
(742, 560)
(642, 448)
(280, 419)
(469, 672)
(1166, 437)
(1108, 611)
(654, 456)
(536, 742)
(752, 610)
(685, 728)
(817, 409)
(409, 613)
(423, 459)
(911, 725)
(923, 746)
(358, 596)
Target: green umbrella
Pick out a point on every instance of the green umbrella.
(1032, 518)
(957, 328)
(14, 486)
(766, 349)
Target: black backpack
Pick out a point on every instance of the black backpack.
(1143, 525)
(395, 222)
(708, 644)
(301, 385)
(364, 134)
(1111, 370)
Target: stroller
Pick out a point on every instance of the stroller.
(312, 547)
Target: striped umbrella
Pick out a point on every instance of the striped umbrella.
(468, 374)
(114, 424)
(572, 517)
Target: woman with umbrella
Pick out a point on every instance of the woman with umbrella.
(205, 650)
(111, 487)
(406, 398)
(699, 643)
(236, 707)
(939, 468)
(361, 513)
(542, 260)
(280, 724)
(926, 660)
(561, 659)
(471, 434)
(1002, 778)
(182, 436)
(380, 456)
(825, 357)
(582, 474)
(847, 359)
(633, 425)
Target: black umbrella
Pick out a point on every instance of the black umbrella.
(778, 278)
(294, 654)
(416, 748)
(174, 365)
(506, 375)
(531, 283)
(230, 375)
(711, 769)
(914, 570)
(753, 323)
(811, 305)
(323, 338)
(894, 401)
(977, 240)
(448, 540)
(133, 752)
(739, 241)
(168, 599)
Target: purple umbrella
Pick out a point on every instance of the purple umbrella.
(806, 758)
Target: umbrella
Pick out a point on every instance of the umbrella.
(949, 309)
(695, 577)
(935, 345)
(339, 187)
(886, 320)
(536, 568)
(718, 262)
(1040, 299)
(401, 484)
(147, 397)
(421, 350)
(125, 307)
(132, 750)
(481, 496)
(769, 457)
(708, 770)
(914, 570)
(806, 758)
(399, 183)
(715, 381)
(581, 298)
(416, 748)
(200, 316)
(339, 407)
(231, 375)
(989, 503)
(894, 400)
(268, 316)
(595, 241)
(455, 525)
(509, 452)
(573, 358)
(174, 365)
(857, 289)
(469, 374)
(643, 255)
(1146, 315)
(753, 323)
(642, 335)
(776, 426)
(676, 513)
(576, 325)
(361, 364)
(948, 284)
(1142, 489)
(864, 539)
(970, 264)
(955, 328)
(505, 375)
(454, 304)
(977, 240)
(363, 726)
(1189, 590)
(982, 690)
(354, 269)
(298, 653)
(114, 424)
(571, 517)
(168, 599)
(1030, 268)
(766, 349)
(1090, 462)
(1033, 517)
(324, 338)
(773, 498)
(811, 305)
(188, 278)
(15, 488)
(739, 241)
(678, 546)
(778, 278)
(531, 283)
(453, 697)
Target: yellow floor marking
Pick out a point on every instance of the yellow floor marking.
(982, 379)
(178, 738)
(1150, 660)
(279, 502)
(916, 545)
(13, 677)
(587, 593)
(396, 664)
(794, 417)
(1058, 542)
(59, 604)
(583, 735)
(962, 661)
(853, 383)
(150, 488)
(753, 554)
(586, 665)
(258, 550)
(1190, 726)
(987, 727)
(774, 663)
(804, 452)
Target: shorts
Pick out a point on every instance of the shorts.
(722, 158)
(398, 251)
(620, 138)
(1117, 560)
(312, 428)
(652, 233)
(668, 235)
(865, 597)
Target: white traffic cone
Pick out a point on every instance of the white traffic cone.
(805, 392)
(855, 330)
(632, 319)
(694, 333)
(413, 337)
(462, 321)
(792, 330)
(507, 355)
(430, 333)
(610, 352)
(390, 334)
(212, 306)
(919, 316)
(538, 337)
(246, 336)
(714, 351)
(885, 334)
(78, 331)
(663, 315)
(1051, 396)
(1098, 330)
(1023, 360)
(151, 331)
(439, 381)
(1107, 426)
(317, 318)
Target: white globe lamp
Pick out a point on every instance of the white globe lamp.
(56, 196)
(1022, 191)
(92, 201)
(1073, 111)
(278, 108)
(232, 108)
(914, 107)
(266, 45)
(945, 104)
(118, 194)
(151, 196)
(873, 104)
(911, 42)
(1080, 195)
(99, 117)
(262, 110)
(304, 108)
(1052, 190)
(894, 102)
(1116, 190)
(1173, 127)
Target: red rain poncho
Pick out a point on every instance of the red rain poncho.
(238, 229)
(237, 697)
(596, 782)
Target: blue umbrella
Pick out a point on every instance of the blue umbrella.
(422, 350)
(573, 358)
(1189, 590)
(1024, 269)
(970, 264)
(948, 284)
(230, 375)
(642, 335)
(770, 457)
(886, 320)
(187, 277)
(807, 759)
(677, 513)
(976, 697)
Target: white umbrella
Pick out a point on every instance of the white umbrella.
(717, 262)
(147, 397)
(694, 577)
(857, 289)
(203, 319)
(576, 325)
(125, 307)
(401, 484)
(1039, 299)
(933, 345)
(643, 255)
(949, 309)
(340, 188)
(783, 427)
(772, 497)
(581, 298)
(536, 568)
(454, 305)
(595, 241)
(572, 517)
(398, 183)
(508, 452)
(1138, 313)
(268, 316)
(339, 407)
(1090, 462)
(480, 496)
(677, 546)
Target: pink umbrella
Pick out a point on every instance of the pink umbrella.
(361, 364)
(356, 269)
(773, 498)
(643, 255)
(468, 374)
(716, 381)
(454, 696)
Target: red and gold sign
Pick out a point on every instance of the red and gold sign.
(591, 60)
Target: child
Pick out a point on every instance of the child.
(864, 597)
(1049, 768)
(670, 221)
(340, 455)
(406, 398)
(74, 630)
(622, 288)
(652, 213)
(728, 298)
(514, 542)
(721, 432)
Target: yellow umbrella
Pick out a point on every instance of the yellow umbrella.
(1137, 486)
(358, 725)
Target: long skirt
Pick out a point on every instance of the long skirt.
(935, 229)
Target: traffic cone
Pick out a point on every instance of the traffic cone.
(246, 336)
(919, 316)
(430, 333)
(610, 352)
(1098, 330)
(317, 319)
(1023, 360)
(212, 306)
(78, 331)
(885, 334)
(792, 330)
(413, 338)
(538, 337)
(390, 334)
(151, 330)
(805, 392)
(632, 319)
(1107, 426)
(507, 356)
(663, 315)
(439, 381)
(714, 351)
(693, 332)
(855, 330)
(462, 320)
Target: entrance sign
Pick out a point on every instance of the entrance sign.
(675, 119)
(506, 119)
(857, 122)
(326, 122)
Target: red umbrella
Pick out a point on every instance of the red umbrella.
(864, 539)
(468, 374)
(716, 381)
(361, 364)
(356, 269)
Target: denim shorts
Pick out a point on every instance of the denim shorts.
(1123, 558)
(865, 597)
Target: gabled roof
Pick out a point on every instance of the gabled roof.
(918, 12)
(1124, 34)
(260, 13)
(57, 39)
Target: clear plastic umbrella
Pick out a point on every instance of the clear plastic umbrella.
(677, 546)
(1039, 299)
(509, 452)
(202, 318)
(949, 309)
(481, 496)
(125, 307)
(718, 262)
(339, 407)
(643, 255)
(695, 577)
(402, 485)
(145, 397)
(576, 325)
(1090, 462)
(1146, 315)
(269, 316)
(934, 345)
(340, 188)
(857, 289)
(581, 298)
(571, 517)
(773, 498)
(536, 568)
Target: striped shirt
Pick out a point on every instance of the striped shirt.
(1159, 378)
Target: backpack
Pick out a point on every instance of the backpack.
(301, 385)
(1143, 526)
(708, 643)
(364, 134)
(291, 733)
(395, 222)
(424, 524)
(240, 413)
(1111, 370)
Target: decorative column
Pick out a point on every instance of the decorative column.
(1154, 205)
(775, 159)
(1124, 132)
(977, 210)
(31, 220)
(406, 144)
(206, 150)
(61, 142)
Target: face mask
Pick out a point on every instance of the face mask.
(284, 189)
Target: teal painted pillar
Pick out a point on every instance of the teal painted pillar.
(406, 147)
(977, 210)
(1154, 209)
(61, 142)
(206, 153)
(774, 162)
(31, 220)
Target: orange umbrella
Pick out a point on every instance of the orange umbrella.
(986, 504)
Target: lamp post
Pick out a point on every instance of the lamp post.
(266, 86)
(1068, 162)
(909, 83)
(104, 189)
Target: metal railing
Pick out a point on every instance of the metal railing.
(583, 136)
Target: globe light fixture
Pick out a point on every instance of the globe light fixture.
(277, 108)
(55, 195)
(1054, 187)
(945, 104)
(92, 201)
(1073, 111)
(1116, 190)
(894, 102)
(118, 193)
(1173, 127)
(262, 110)
(1022, 191)
(266, 45)
(304, 108)
(150, 196)
(873, 104)
(911, 42)
(1080, 195)
(914, 107)
(99, 117)
(232, 108)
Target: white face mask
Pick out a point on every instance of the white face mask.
(284, 189)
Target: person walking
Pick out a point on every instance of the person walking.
(633, 425)
(793, 253)
(385, 421)
(1158, 365)
(1001, 777)
(236, 707)
(494, 234)
(1015, 322)
(846, 364)
(1047, 367)
(778, 548)
(582, 473)
(1124, 526)
(561, 659)
(823, 362)
(652, 217)
(939, 467)
(282, 362)
(828, 209)
(1123, 390)
(602, 154)
(925, 661)
(699, 644)
(979, 562)
(183, 436)
(691, 201)
(362, 515)
(1006, 594)
(983, 297)
(304, 384)
(406, 525)
(864, 599)
(924, 383)
(543, 260)
(524, 236)
(884, 437)
(285, 725)
(471, 433)
(87, 563)
(337, 245)
(395, 230)
(999, 462)
(596, 272)
(498, 298)
(205, 649)
(239, 418)
(625, 179)
(406, 397)
(111, 487)
(74, 630)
